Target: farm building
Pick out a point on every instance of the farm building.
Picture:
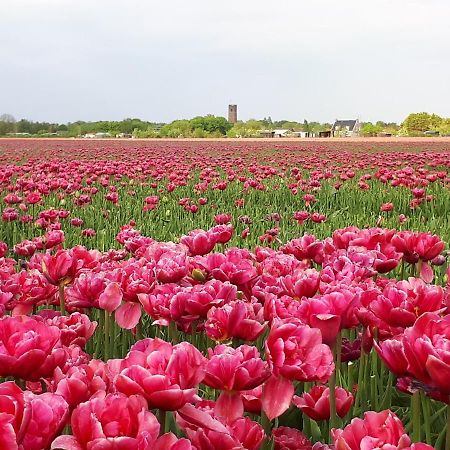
(346, 128)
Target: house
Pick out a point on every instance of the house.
(325, 134)
(303, 134)
(282, 133)
(346, 128)
(267, 133)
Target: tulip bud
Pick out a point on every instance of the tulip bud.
(198, 275)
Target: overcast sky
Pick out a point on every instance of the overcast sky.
(68, 60)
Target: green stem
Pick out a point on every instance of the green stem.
(332, 382)
(173, 334)
(266, 424)
(426, 416)
(359, 401)
(62, 304)
(106, 341)
(162, 419)
(447, 437)
(415, 407)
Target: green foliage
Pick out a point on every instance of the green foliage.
(369, 129)
(417, 123)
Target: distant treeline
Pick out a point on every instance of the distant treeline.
(415, 124)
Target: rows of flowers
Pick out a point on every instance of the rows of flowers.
(338, 343)
(273, 191)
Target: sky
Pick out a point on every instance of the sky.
(68, 60)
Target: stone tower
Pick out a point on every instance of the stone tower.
(232, 113)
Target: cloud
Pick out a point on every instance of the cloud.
(69, 60)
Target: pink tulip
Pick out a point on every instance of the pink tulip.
(236, 319)
(425, 347)
(76, 329)
(316, 403)
(417, 246)
(29, 421)
(207, 432)
(400, 303)
(286, 438)
(296, 352)
(78, 384)
(199, 242)
(375, 431)
(29, 349)
(166, 376)
(116, 421)
(303, 283)
(60, 268)
(232, 370)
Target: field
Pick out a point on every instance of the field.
(226, 294)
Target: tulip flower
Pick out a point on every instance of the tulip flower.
(29, 421)
(374, 431)
(232, 370)
(167, 380)
(207, 432)
(286, 438)
(236, 319)
(60, 268)
(198, 242)
(116, 421)
(295, 352)
(316, 403)
(29, 349)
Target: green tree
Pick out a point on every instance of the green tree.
(369, 129)
(418, 123)
(7, 124)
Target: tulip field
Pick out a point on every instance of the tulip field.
(224, 295)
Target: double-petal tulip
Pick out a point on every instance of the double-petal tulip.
(295, 352)
(29, 348)
(29, 421)
(233, 370)
(116, 421)
(316, 403)
(166, 376)
(375, 431)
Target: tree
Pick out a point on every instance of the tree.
(369, 129)
(418, 123)
(7, 124)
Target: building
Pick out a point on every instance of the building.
(232, 113)
(282, 132)
(346, 128)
